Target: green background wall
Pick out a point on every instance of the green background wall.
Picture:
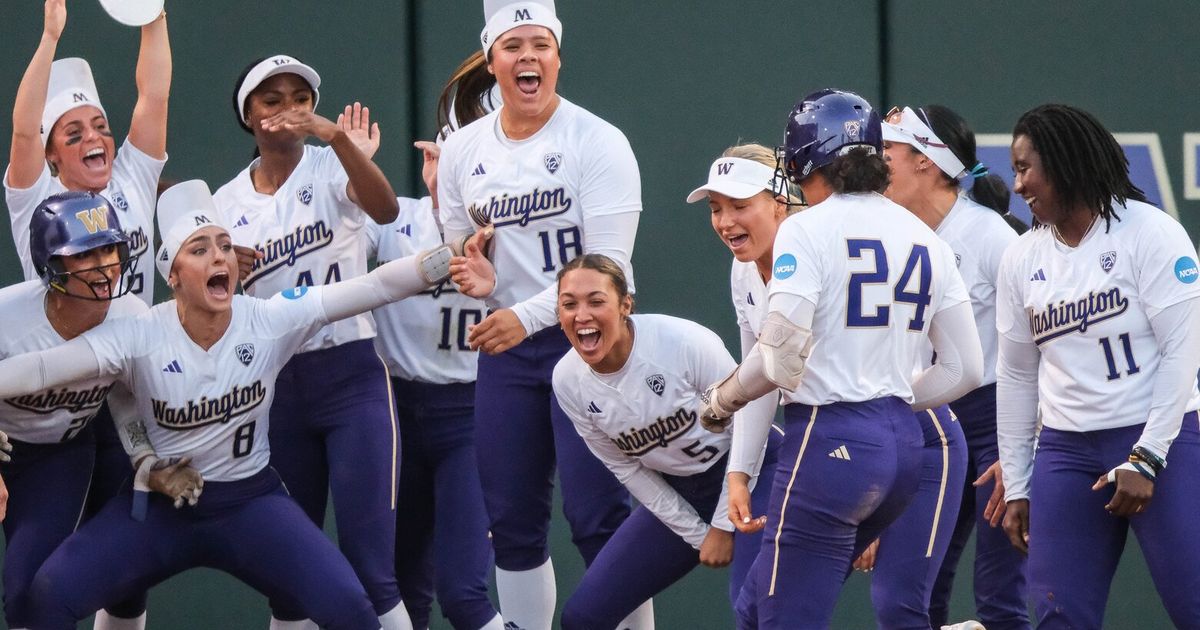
(683, 79)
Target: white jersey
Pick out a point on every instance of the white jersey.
(979, 237)
(538, 192)
(1088, 310)
(424, 337)
(133, 192)
(53, 415)
(213, 405)
(645, 417)
(309, 232)
(877, 275)
(749, 295)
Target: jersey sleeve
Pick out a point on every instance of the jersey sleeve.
(609, 182)
(373, 233)
(141, 170)
(955, 292)
(116, 342)
(1011, 319)
(331, 174)
(292, 315)
(450, 204)
(1165, 265)
(797, 268)
(21, 203)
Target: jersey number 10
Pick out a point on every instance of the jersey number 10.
(918, 263)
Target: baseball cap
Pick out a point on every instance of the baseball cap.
(269, 67)
(907, 127)
(71, 85)
(503, 16)
(737, 178)
(183, 209)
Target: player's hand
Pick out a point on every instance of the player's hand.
(1016, 524)
(431, 153)
(5, 447)
(302, 122)
(246, 257)
(717, 549)
(713, 416)
(55, 19)
(740, 513)
(175, 478)
(1133, 494)
(497, 332)
(473, 272)
(865, 562)
(355, 121)
(993, 513)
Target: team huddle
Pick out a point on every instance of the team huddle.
(942, 368)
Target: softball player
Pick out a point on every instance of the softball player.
(927, 150)
(303, 208)
(858, 284)
(632, 388)
(1101, 301)
(554, 181)
(203, 367)
(441, 536)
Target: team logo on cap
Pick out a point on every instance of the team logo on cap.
(552, 162)
(305, 194)
(1107, 261)
(657, 383)
(1185, 270)
(853, 128)
(522, 15)
(165, 255)
(245, 353)
(724, 168)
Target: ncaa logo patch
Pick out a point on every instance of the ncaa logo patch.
(784, 267)
(1185, 269)
(294, 293)
(1108, 260)
(305, 194)
(552, 162)
(119, 201)
(245, 353)
(656, 383)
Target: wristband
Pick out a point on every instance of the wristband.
(1143, 454)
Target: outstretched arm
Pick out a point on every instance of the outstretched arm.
(148, 128)
(54, 367)
(27, 155)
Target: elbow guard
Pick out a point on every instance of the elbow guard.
(785, 348)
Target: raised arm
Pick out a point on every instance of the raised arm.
(27, 154)
(148, 127)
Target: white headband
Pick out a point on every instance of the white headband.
(911, 130)
(269, 67)
(71, 85)
(182, 210)
(737, 178)
(510, 15)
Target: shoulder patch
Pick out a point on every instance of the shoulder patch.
(1185, 269)
(784, 266)
(294, 293)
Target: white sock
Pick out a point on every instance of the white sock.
(640, 619)
(497, 623)
(105, 621)
(303, 624)
(396, 619)
(527, 597)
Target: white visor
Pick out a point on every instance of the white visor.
(269, 67)
(504, 15)
(182, 210)
(71, 85)
(911, 130)
(736, 178)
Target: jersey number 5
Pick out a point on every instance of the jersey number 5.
(918, 264)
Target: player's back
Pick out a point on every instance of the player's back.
(877, 275)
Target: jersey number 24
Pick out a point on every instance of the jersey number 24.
(918, 264)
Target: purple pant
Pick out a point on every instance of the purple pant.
(47, 486)
(846, 472)
(333, 430)
(1074, 544)
(912, 548)
(249, 528)
(999, 585)
(645, 557)
(442, 530)
(522, 434)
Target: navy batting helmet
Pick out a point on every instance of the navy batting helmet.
(71, 223)
(824, 125)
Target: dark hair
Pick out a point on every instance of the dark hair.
(1018, 226)
(1080, 158)
(988, 189)
(857, 170)
(602, 264)
(465, 91)
(237, 87)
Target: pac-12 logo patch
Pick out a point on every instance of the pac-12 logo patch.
(785, 266)
(245, 353)
(305, 194)
(552, 161)
(119, 201)
(853, 129)
(294, 293)
(1185, 269)
(1108, 260)
(656, 383)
